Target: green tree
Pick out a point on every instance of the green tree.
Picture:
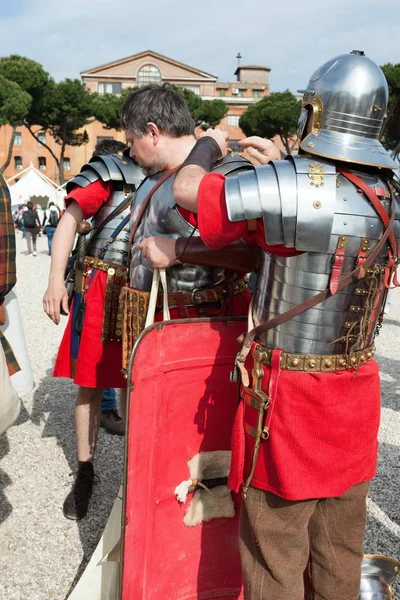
(212, 112)
(193, 101)
(276, 114)
(27, 80)
(391, 125)
(63, 108)
(106, 108)
(207, 113)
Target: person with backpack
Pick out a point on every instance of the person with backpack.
(31, 227)
(52, 218)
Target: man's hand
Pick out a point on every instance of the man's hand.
(221, 137)
(55, 295)
(261, 149)
(159, 252)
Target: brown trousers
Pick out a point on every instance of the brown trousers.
(308, 549)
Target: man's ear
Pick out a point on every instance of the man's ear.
(154, 132)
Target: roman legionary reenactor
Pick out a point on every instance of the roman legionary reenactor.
(91, 350)
(160, 130)
(306, 434)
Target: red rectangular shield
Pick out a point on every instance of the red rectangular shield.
(182, 405)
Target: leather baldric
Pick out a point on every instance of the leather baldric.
(358, 273)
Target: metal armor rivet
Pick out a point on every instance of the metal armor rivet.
(363, 357)
(342, 362)
(345, 199)
(369, 354)
(312, 364)
(328, 363)
(311, 144)
(354, 360)
(372, 226)
(295, 362)
(344, 223)
(372, 150)
(124, 162)
(317, 204)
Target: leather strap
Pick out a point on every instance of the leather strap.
(145, 204)
(372, 196)
(117, 211)
(198, 297)
(338, 261)
(358, 273)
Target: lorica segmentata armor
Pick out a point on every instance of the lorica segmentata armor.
(125, 176)
(307, 204)
(162, 218)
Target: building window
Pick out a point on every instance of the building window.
(257, 93)
(193, 88)
(103, 87)
(222, 93)
(234, 146)
(18, 163)
(233, 120)
(101, 138)
(148, 74)
(66, 164)
(41, 138)
(241, 93)
(18, 139)
(42, 163)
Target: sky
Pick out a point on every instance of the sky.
(290, 37)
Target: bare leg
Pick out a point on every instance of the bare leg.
(87, 421)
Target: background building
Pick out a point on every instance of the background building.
(252, 83)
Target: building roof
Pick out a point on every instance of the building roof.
(32, 182)
(252, 67)
(150, 53)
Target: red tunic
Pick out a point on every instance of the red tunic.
(324, 426)
(99, 364)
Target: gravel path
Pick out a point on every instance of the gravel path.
(41, 553)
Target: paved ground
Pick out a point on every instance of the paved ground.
(41, 553)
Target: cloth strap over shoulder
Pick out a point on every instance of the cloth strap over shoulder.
(158, 275)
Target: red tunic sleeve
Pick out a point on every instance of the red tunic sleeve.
(91, 197)
(217, 230)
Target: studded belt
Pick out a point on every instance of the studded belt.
(211, 296)
(318, 363)
(104, 265)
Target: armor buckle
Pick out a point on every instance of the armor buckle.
(196, 297)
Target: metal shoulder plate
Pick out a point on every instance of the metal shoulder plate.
(296, 198)
(109, 167)
(231, 164)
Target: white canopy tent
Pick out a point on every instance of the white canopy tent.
(33, 183)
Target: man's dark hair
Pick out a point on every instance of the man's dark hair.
(157, 104)
(29, 205)
(51, 204)
(109, 146)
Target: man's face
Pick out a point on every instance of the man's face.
(144, 151)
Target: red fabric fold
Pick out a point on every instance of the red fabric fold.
(235, 478)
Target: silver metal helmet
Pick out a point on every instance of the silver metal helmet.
(377, 576)
(348, 97)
